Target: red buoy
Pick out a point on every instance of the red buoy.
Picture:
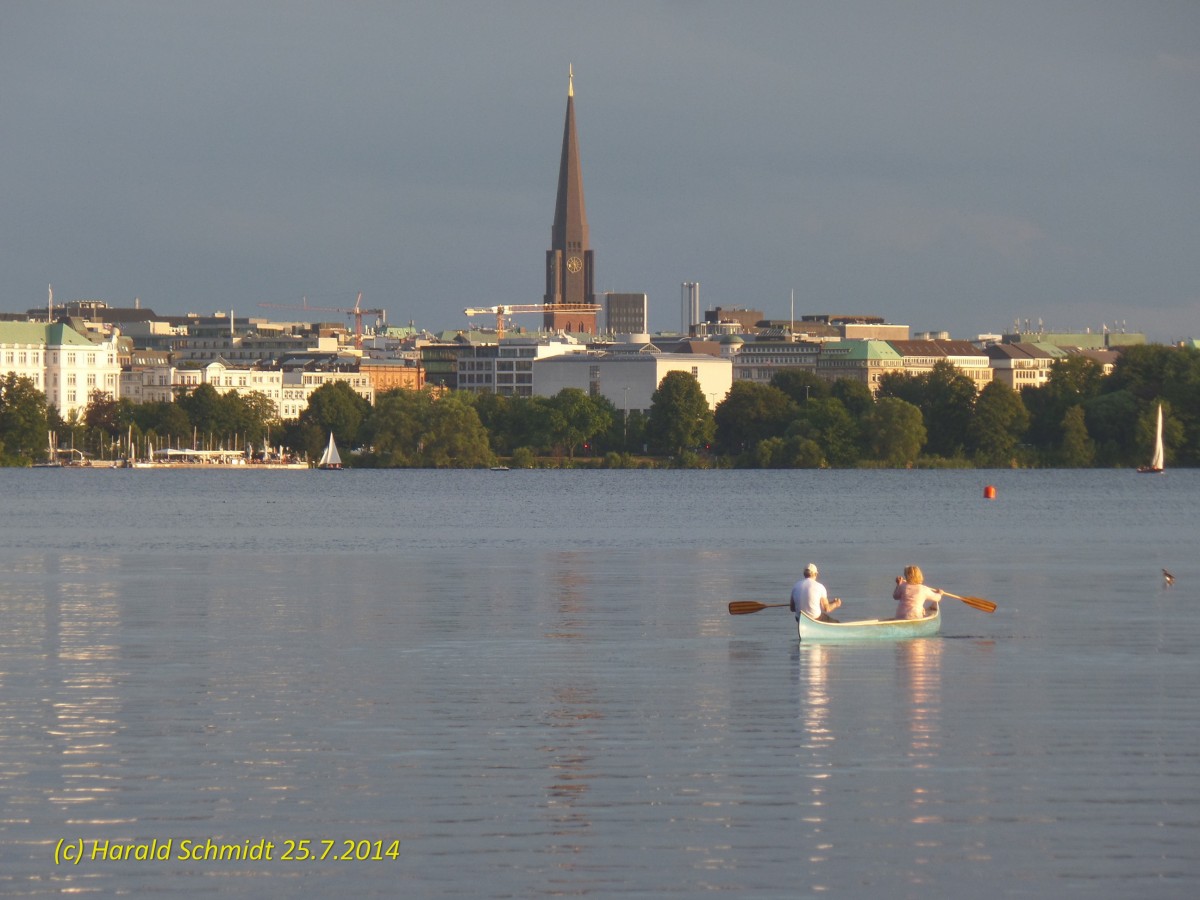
(989, 493)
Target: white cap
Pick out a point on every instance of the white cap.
(810, 569)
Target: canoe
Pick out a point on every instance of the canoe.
(868, 629)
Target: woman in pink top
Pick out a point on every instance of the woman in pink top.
(915, 601)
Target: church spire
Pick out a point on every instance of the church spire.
(569, 261)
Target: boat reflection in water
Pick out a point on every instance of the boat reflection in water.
(839, 747)
(919, 671)
(818, 746)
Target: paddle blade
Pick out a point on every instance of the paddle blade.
(745, 607)
(978, 603)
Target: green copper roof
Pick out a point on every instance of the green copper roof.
(55, 335)
(22, 333)
(1052, 350)
(63, 335)
(858, 350)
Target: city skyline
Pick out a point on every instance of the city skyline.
(953, 169)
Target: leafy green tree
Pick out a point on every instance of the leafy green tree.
(902, 386)
(523, 458)
(1109, 419)
(205, 410)
(854, 395)
(416, 429)
(453, 436)
(800, 384)
(102, 413)
(257, 415)
(679, 419)
(1144, 371)
(393, 429)
(894, 432)
(24, 426)
(830, 426)
(333, 407)
(793, 452)
(950, 404)
(1075, 377)
(998, 425)
(163, 423)
(576, 418)
(107, 423)
(1076, 451)
(612, 437)
(1152, 373)
(750, 413)
(945, 397)
(1072, 381)
(634, 431)
(1183, 396)
(529, 423)
(495, 412)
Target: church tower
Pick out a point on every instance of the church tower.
(569, 261)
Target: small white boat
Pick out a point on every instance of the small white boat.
(811, 629)
(330, 459)
(1157, 460)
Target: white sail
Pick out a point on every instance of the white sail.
(1157, 461)
(330, 458)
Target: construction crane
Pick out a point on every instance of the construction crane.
(358, 312)
(510, 309)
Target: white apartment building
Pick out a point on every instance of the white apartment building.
(1023, 365)
(758, 361)
(298, 386)
(146, 384)
(919, 357)
(287, 390)
(628, 380)
(61, 363)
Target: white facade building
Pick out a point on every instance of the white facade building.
(289, 391)
(628, 380)
(61, 363)
(152, 384)
(758, 361)
(1023, 365)
(507, 368)
(299, 385)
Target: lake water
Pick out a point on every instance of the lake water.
(531, 682)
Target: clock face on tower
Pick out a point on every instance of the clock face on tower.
(574, 264)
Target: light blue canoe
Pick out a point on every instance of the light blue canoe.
(868, 629)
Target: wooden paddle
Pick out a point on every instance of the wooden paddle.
(978, 603)
(744, 607)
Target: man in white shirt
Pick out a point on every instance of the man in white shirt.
(810, 596)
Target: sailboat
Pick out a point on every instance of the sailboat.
(330, 459)
(1156, 461)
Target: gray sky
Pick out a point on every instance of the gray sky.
(949, 165)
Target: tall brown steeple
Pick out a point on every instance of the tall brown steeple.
(569, 261)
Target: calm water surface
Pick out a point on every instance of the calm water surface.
(530, 680)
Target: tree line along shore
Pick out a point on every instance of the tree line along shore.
(1079, 418)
